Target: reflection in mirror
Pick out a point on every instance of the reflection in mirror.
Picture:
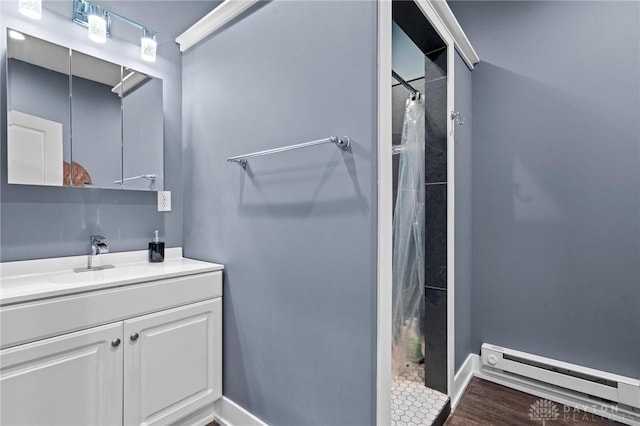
(142, 122)
(39, 131)
(77, 120)
(96, 119)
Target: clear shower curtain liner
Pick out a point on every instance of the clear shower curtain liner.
(408, 241)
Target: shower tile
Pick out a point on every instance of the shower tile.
(436, 131)
(436, 236)
(436, 64)
(412, 403)
(436, 339)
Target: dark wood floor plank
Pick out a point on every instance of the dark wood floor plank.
(484, 403)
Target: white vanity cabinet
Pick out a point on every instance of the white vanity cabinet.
(172, 363)
(147, 353)
(73, 379)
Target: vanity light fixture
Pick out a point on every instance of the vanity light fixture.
(16, 35)
(98, 21)
(30, 8)
(96, 25)
(148, 45)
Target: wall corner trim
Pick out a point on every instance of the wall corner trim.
(463, 45)
(228, 413)
(463, 378)
(215, 19)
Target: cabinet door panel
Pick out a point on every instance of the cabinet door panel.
(174, 366)
(73, 379)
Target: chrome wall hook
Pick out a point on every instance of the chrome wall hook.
(458, 118)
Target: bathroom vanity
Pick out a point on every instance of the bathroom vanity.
(137, 344)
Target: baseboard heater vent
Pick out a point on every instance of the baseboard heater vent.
(592, 383)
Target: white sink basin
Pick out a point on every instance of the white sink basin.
(73, 278)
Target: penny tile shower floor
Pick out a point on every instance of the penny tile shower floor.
(412, 403)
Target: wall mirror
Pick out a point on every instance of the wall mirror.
(77, 120)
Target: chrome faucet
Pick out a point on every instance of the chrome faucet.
(98, 246)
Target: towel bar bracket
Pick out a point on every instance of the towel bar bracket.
(241, 161)
(341, 142)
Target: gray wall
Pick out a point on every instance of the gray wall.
(41, 222)
(463, 213)
(556, 172)
(297, 230)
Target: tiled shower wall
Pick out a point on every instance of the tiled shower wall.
(434, 86)
(436, 220)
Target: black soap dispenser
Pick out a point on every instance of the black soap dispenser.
(156, 249)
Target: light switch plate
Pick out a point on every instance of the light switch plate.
(164, 201)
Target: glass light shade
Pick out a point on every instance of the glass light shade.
(148, 49)
(97, 28)
(30, 8)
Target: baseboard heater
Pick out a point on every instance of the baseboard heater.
(577, 379)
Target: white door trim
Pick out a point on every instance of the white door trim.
(466, 50)
(385, 218)
(385, 213)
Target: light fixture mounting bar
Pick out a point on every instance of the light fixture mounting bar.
(82, 9)
(109, 13)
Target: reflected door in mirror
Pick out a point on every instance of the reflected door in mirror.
(39, 131)
(34, 150)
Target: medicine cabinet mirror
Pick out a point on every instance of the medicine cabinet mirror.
(77, 120)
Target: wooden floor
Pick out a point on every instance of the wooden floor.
(486, 403)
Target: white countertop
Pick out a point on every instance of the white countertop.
(28, 280)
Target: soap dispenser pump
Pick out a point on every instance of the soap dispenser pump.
(156, 249)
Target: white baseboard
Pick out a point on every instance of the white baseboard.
(228, 413)
(463, 377)
(202, 417)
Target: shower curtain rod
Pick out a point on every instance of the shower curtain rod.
(404, 83)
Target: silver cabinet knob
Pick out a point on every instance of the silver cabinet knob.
(115, 342)
(134, 337)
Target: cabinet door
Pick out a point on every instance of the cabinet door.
(73, 379)
(173, 363)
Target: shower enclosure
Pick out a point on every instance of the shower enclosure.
(408, 239)
(419, 232)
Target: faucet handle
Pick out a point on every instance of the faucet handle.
(98, 246)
